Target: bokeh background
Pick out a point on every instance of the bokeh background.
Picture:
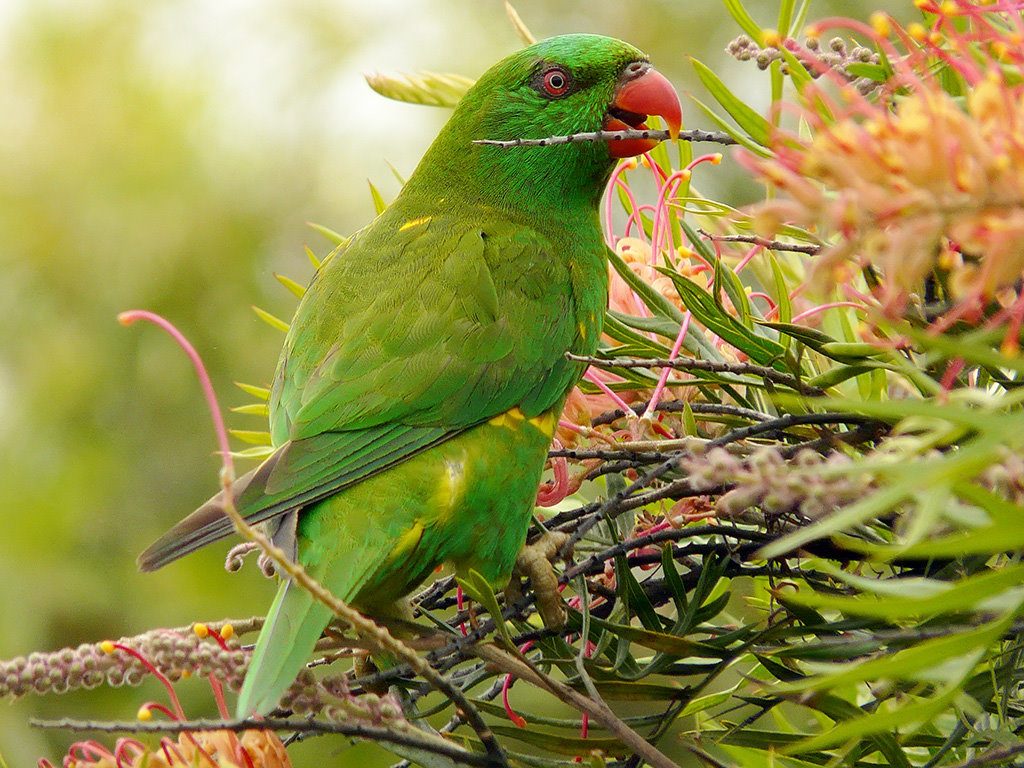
(166, 154)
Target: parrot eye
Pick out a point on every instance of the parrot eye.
(555, 82)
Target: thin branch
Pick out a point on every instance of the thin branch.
(787, 421)
(774, 245)
(712, 366)
(716, 137)
(639, 457)
(675, 406)
(355, 730)
(669, 534)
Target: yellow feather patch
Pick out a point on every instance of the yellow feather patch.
(545, 422)
(408, 541)
(509, 418)
(414, 222)
(450, 488)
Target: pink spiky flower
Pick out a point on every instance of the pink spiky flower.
(916, 181)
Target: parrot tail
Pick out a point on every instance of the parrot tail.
(294, 624)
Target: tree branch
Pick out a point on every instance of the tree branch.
(716, 137)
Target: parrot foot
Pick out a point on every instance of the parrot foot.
(535, 562)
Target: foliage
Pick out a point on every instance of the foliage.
(788, 493)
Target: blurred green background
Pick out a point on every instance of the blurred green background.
(166, 155)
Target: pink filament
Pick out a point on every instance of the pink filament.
(122, 747)
(652, 406)
(518, 720)
(592, 377)
(823, 307)
(131, 316)
(552, 493)
(460, 601)
(178, 713)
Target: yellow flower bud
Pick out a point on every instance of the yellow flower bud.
(880, 23)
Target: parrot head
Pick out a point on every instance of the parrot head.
(562, 85)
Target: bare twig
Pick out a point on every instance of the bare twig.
(717, 137)
(787, 421)
(776, 245)
(712, 366)
(675, 406)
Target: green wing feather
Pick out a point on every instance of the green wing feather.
(459, 324)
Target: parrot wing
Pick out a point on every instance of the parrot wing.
(429, 322)
(372, 375)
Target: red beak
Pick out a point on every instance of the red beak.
(643, 91)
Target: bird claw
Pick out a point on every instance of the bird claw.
(535, 562)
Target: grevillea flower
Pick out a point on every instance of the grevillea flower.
(191, 749)
(915, 181)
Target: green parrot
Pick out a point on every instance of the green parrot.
(425, 369)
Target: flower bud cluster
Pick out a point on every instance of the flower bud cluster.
(775, 484)
(837, 57)
(173, 652)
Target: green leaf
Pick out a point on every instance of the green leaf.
(797, 71)
(252, 437)
(274, 322)
(378, 200)
(839, 710)
(634, 595)
(618, 690)
(560, 743)
(875, 72)
(260, 393)
(328, 233)
(706, 702)
(812, 337)
(313, 259)
(893, 599)
(668, 563)
(786, 16)
(477, 588)
(741, 17)
(781, 289)
(290, 284)
(620, 331)
(674, 645)
(655, 302)
(259, 452)
(431, 89)
(253, 409)
(746, 118)
(704, 307)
